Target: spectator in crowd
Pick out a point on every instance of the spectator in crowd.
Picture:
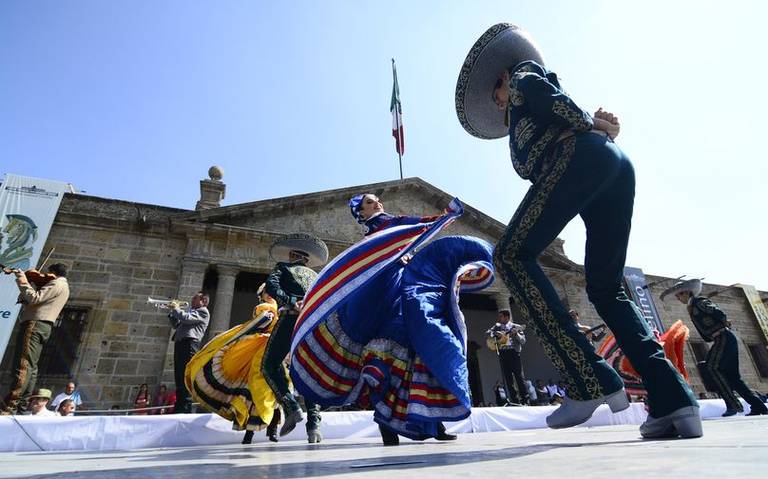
(542, 393)
(160, 399)
(170, 401)
(66, 408)
(142, 399)
(115, 407)
(38, 402)
(70, 392)
(551, 388)
(703, 395)
(561, 389)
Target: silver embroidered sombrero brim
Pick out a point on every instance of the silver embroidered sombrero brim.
(692, 286)
(502, 46)
(308, 244)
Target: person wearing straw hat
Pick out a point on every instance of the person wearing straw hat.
(38, 403)
(723, 357)
(575, 169)
(296, 254)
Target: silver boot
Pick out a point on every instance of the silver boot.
(684, 422)
(314, 436)
(573, 412)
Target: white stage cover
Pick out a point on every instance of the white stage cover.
(112, 433)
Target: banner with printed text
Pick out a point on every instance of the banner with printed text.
(761, 312)
(27, 209)
(641, 295)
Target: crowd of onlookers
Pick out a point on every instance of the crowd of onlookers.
(538, 393)
(42, 402)
(163, 398)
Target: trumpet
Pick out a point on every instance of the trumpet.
(163, 303)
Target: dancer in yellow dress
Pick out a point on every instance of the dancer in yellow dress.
(225, 375)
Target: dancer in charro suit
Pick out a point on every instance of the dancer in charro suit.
(288, 283)
(575, 169)
(723, 357)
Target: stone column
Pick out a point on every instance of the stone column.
(225, 292)
(191, 278)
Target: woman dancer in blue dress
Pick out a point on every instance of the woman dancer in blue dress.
(382, 327)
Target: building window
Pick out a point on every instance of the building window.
(760, 358)
(700, 351)
(60, 353)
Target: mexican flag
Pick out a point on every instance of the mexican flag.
(397, 114)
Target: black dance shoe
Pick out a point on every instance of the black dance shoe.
(442, 434)
(248, 438)
(389, 438)
(753, 411)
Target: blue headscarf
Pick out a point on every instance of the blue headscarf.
(355, 203)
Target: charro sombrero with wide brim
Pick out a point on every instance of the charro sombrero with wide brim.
(310, 245)
(692, 286)
(502, 46)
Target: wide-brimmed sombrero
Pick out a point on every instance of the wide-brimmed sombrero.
(502, 46)
(692, 286)
(312, 246)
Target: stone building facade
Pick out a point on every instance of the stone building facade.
(119, 253)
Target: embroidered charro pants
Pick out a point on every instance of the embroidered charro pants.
(587, 175)
(272, 367)
(30, 341)
(723, 365)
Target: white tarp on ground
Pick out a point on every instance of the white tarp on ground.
(110, 433)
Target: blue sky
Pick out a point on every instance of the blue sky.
(136, 99)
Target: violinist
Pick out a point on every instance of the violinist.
(41, 306)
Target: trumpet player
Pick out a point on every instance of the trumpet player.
(511, 339)
(189, 328)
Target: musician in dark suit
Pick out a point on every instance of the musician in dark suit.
(189, 328)
(511, 339)
(723, 357)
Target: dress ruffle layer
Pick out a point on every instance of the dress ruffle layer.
(225, 376)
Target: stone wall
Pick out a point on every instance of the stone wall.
(120, 252)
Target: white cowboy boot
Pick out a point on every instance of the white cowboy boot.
(573, 412)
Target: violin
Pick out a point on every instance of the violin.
(33, 276)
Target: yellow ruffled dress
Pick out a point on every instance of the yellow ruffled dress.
(225, 375)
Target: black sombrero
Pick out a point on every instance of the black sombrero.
(311, 246)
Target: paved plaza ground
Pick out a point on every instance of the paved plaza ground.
(733, 447)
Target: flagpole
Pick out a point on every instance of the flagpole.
(399, 125)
